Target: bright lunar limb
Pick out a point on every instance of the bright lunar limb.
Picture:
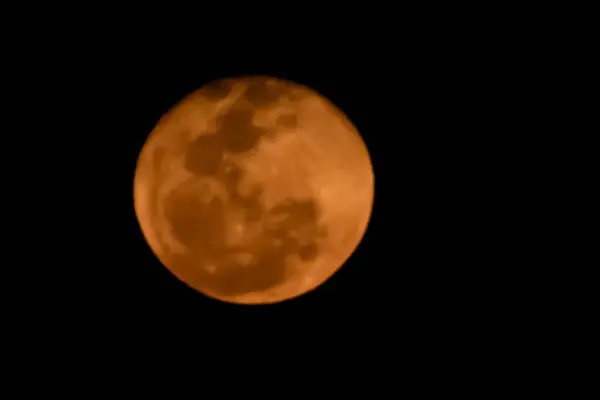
(253, 190)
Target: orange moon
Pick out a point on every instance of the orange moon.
(253, 190)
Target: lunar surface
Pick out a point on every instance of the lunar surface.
(253, 190)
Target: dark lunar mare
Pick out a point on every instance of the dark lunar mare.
(204, 155)
(201, 226)
(237, 130)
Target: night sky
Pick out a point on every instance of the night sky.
(455, 286)
(425, 259)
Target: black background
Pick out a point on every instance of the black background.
(431, 260)
(445, 274)
(419, 258)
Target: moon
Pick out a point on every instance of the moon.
(253, 190)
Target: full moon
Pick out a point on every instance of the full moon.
(253, 190)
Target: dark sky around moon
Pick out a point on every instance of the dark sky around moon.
(442, 117)
(201, 226)
(412, 118)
